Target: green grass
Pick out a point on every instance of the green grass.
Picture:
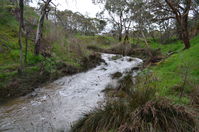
(175, 46)
(103, 42)
(8, 37)
(165, 48)
(170, 72)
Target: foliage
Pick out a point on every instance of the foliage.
(77, 23)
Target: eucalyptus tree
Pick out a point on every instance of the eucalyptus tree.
(141, 17)
(44, 10)
(181, 9)
(74, 22)
(178, 10)
(119, 16)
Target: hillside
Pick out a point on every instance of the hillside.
(178, 71)
(68, 55)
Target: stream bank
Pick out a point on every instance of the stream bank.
(22, 84)
(56, 106)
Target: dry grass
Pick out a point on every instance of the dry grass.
(195, 97)
(160, 116)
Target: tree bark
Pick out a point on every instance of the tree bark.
(186, 40)
(40, 26)
(185, 32)
(21, 26)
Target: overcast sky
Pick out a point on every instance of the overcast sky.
(85, 7)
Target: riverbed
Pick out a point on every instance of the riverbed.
(56, 106)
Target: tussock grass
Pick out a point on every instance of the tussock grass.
(153, 116)
(103, 119)
(160, 116)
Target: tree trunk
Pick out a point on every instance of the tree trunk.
(26, 48)
(40, 26)
(120, 27)
(147, 45)
(125, 43)
(39, 34)
(126, 38)
(182, 20)
(185, 33)
(21, 25)
(186, 41)
(120, 37)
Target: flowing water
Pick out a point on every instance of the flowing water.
(56, 106)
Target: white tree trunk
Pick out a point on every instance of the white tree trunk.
(40, 26)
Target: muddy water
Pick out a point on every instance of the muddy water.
(56, 106)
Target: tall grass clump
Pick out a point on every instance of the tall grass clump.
(104, 119)
(161, 116)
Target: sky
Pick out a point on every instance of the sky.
(85, 7)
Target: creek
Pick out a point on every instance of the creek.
(57, 105)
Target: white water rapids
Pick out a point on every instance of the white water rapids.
(56, 106)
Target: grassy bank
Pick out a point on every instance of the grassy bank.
(159, 97)
(178, 73)
(66, 54)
